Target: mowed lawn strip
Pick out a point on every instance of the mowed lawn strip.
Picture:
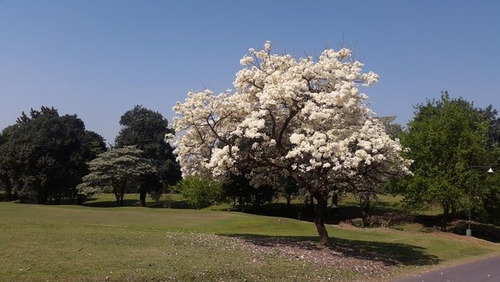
(71, 243)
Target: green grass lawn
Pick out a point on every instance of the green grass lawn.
(99, 242)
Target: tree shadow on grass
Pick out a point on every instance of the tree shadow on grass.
(135, 202)
(110, 204)
(386, 253)
(479, 230)
(345, 212)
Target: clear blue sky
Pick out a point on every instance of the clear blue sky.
(98, 59)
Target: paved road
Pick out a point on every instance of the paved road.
(482, 270)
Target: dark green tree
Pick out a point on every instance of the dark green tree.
(44, 155)
(146, 130)
(120, 171)
(289, 189)
(5, 167)
(238, 190)
(446, 138)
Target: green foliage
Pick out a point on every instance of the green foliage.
(491, 115)
(491, 199)
(43, 156)
(119, 170)
(394, 130)
(446, 138)
(200, 192)
(146, 130)
(489, 207)
(237, 189)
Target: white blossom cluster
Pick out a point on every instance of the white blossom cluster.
(293, 117)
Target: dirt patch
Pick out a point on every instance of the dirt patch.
(311, 252)
(358, 262)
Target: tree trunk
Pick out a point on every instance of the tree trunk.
(120, 193)
(335, 201)
(240, 204)
(311, 203)
(9, 195)
(446, 212)
(365, 207)
(319, 219)
(256, 203)
(80, 199)
(8, 188)
(117, 196)
(58, 199)
(453, 211)
(142, 198)
(42, 195)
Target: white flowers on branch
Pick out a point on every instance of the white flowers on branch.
(289, 117)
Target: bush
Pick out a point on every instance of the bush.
(200, 192)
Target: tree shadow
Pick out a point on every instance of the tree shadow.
(386, 253)
(110, 204)
(479, 230)
(174, 204)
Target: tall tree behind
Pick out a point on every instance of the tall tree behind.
(446, 138)
(146, 130)
(393, 129)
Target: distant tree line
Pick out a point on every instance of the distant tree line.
(46, 157)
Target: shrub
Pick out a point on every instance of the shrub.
(200, 192)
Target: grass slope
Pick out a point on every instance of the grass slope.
(73, 243)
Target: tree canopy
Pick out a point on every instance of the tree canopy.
(447, 138)
(288, 117)
(43, 156)
(146, 129)
(119, 170)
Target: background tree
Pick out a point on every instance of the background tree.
(119, 171)
(491, 116)
(288, 189)
(238, 190)
(393, 129)
(446, 138)
(146, 130)
(290, 118)
(44, 155)
(491, 199)
(6, 167)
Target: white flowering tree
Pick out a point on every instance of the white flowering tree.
(290, 117)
